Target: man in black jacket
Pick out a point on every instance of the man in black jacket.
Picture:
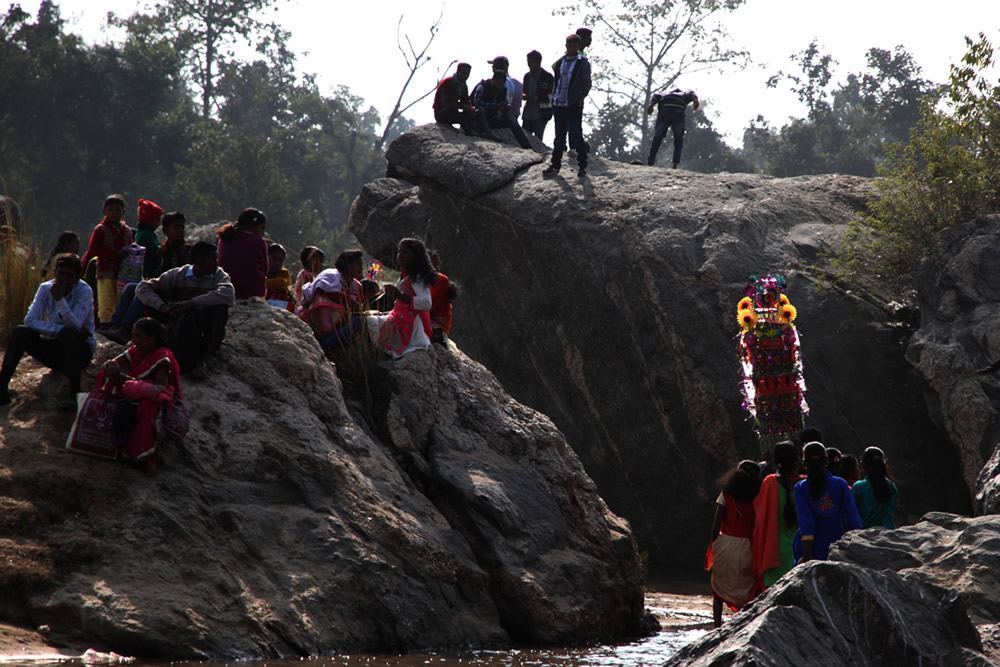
(670, 116)
(538, 85)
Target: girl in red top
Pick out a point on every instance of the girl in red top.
(107, 243)
(733, 579)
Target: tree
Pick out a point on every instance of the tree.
(661, 41)
(208, 30)
(948, 173)
(847, 127)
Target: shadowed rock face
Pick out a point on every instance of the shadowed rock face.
(959, 294)
(840, 614)
(284, 526)
(609, 303)
(922, 593)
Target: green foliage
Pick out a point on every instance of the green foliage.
(846, 128)
(81, 121)
(948, 173)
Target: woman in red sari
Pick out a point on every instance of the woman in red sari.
(408, 326)
(152, 383)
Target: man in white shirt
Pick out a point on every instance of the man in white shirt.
(58, 330)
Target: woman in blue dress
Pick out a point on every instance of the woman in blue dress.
(824, 505)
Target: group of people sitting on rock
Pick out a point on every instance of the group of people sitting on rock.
(764, 527)
(495, 102)
(175, 314)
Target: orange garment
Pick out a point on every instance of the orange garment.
(440, 304)
(765, 531)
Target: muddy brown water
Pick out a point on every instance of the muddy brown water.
(684, 617)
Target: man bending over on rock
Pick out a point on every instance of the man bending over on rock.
(58, 330)
(193, 301)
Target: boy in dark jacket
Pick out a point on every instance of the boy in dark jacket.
(538, 85)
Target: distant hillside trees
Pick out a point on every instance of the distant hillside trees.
(80, 121)
(847, 128)
(947, 173)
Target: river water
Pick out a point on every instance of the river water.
(683, 617)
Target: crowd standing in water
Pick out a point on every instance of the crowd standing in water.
(170, 303)
(764, 527)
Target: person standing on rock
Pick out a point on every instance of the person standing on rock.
(572, 85)
(58, 330)
(733, 579)
(538, 84)
(876, 494)
(586, 37)
(825, 507)
(670, 116)
(775, 519)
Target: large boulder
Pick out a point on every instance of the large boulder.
(609, 304)
(959, 295)
(843, 614)
(429, 511)
(922, 593)
(942, 549)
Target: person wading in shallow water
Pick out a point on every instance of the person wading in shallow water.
(733, 579)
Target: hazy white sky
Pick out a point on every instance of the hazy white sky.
(353, 43)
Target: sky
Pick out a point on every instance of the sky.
(354, 43)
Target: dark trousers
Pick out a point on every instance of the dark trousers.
(569, 120)
(130, 309)
(670, 119)
(195, 335)
(450, 114)
(536, 126)
(500, 121)
(69, 353)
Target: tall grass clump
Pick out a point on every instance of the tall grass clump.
(948, 173)
(19, 279)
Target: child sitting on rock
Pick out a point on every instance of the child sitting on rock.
(279, 280)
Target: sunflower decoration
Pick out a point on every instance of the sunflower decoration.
(746, 303)
(783, 299)
(787, 313)
(747, 319)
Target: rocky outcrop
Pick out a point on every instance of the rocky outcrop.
(925, 593)
(285, 524)
(988, 486)
(608, 303)
(959, 294)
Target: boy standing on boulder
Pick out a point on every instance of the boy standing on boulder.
(572, 84)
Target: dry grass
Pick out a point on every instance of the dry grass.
(19, 279)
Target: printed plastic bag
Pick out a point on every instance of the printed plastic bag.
(91, 432)
(130, 268)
